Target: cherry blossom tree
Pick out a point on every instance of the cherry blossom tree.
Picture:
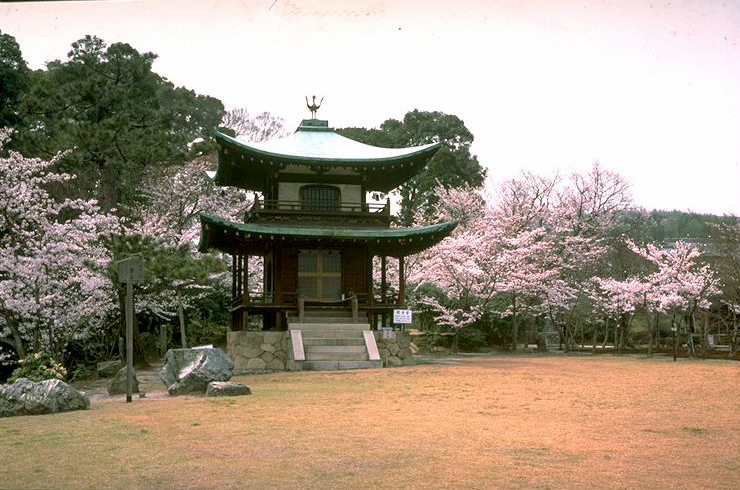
(682, 285)
(53, 287)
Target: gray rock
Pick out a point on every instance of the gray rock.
(190, 370)
(404, 339)
(117, 385)
(226, 388)
(24, 397)
(404, 353)
(267, 357)
(274, 338)
(106, 369)
(256, 363)
(394, 361)
(276, 364)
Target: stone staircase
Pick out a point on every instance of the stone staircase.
(329, 341)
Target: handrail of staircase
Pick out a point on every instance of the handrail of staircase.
(352, 299)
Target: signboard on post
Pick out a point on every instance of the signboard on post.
(130, 272)
(402, 316)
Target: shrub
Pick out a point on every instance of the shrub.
(38, 367)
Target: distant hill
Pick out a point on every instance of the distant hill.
(681, 225)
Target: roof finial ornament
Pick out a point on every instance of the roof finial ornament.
(313, 107)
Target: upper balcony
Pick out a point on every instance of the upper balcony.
(320, 213)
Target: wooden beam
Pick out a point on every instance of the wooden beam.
(401, 281)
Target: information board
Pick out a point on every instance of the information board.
(402, 316)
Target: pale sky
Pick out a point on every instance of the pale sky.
(650, 89)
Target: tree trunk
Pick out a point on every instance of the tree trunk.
(181, 314)
(606, 335)
(593, 340)
(19, 347)
(515, 334)
(689, 328)
(704, 336)
(650, 334)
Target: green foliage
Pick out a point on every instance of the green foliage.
(471, 338)
(681, 225)
(14, 80)
(120, 116)
(39, 366)
(453, 165)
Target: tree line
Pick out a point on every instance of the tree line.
(104, 159)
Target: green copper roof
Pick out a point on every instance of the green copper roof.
(226, 235)
(249, 165)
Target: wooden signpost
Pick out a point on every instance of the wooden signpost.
(130, 272)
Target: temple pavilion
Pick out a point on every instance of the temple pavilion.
(313, 225)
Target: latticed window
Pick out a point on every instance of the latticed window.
(320, 198)
(320, 274)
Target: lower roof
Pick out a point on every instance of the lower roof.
(253, 238)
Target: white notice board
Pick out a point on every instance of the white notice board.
(402, 316)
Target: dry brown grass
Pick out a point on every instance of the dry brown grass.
(498, 422)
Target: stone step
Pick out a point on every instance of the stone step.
(342, 356)
(338, 365)
(325, 319)
(334, 341)
(331, 334)
(335, 349)
(328, 326)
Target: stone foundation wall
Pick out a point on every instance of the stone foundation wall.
(395, 350)
(269, 350)
(257, 350)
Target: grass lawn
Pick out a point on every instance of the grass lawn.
(494, 422)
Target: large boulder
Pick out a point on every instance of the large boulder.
(190, 370)
(118, 386)
(25, 397)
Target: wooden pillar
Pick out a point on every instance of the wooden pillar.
(233, 276)
(245, 279)
(245, 291)
(401, 282)
(383, 288)
(383, 284)
(238, 275)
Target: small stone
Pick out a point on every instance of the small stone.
(106, 369)
(227, 388)
(256, 363)
(268, 347)
(403, 338)
(267, 357)
(276, 365)
(393, 348)
(409, 361)
(118, 386)
(273, 338)
(248, 352)
(254, 340)
(281, 355)
(404, 353)
(394, 361)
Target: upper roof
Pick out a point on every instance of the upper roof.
(315, 144)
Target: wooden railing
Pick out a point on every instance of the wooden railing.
(303, 207)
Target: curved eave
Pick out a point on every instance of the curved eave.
(243, 165)
(229, 236)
